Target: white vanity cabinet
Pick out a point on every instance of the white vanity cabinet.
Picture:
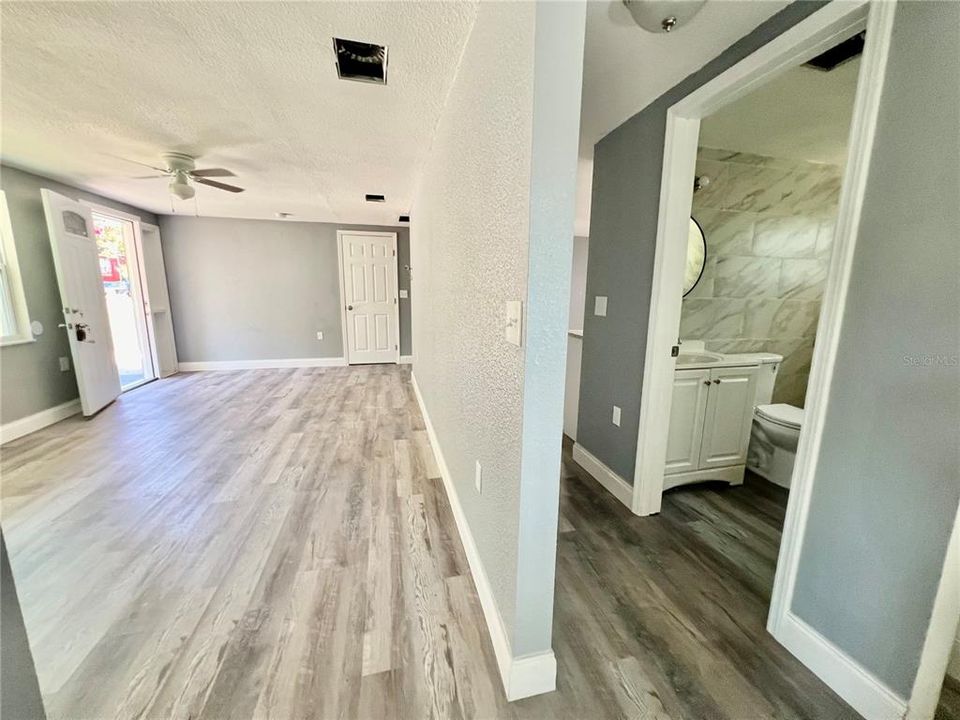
(710, 418)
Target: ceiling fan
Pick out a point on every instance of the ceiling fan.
(181, 169)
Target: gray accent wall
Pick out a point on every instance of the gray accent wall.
(623, 231)
(20, 699)
(261, 289)
(888, 476)
(30, 377)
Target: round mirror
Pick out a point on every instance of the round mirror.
(696, 257)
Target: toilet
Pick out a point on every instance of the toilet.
(775, 430)
(773, 442)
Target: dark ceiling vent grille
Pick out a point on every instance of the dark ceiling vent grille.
(839, 54)
(361, 61)
(374, 198)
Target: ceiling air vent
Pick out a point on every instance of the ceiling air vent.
(404, 218)
(364, 62)
(374, 198)
(839, 54)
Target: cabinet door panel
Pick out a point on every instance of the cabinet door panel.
(686, 420)
(729, 414)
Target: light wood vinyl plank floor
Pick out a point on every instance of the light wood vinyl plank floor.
(277, 544)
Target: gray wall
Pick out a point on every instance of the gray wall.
(20, 699)
(769, 228)
(260, 289)
(888, 476)
(30, 375)
(623, 232)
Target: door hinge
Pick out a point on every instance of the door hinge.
(394, 253)
(394, 301)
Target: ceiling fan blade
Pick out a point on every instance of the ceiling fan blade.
(218, 185)
(137, 162)
(212, 172)
(147, 177)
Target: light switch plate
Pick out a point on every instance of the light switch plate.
(600, 305)
(514, 324)
(403, 295)
(616, 416)
(64, 364)
(478, 478)
(319, 335)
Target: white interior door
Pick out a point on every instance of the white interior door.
(690, 389)
(726, 426)
(157, 302)
(77, 264)
(369, 284)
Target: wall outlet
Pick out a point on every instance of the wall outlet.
(64, 364)
(600, 305)
(478, 478)
(404, 295)
(320, 335)
(616, 416)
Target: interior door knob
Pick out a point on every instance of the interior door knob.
(349, 307)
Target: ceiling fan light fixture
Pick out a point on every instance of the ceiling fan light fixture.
(181, 188)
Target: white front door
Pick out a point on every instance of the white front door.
(369, 282)
(157, 301)
(77, 264)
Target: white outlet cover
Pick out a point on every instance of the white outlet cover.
(616, 416)
(404, 294)
(514, 322)
(600, 305)
(64, 364)
(478, 478)
(319, 335)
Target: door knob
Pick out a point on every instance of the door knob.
(349, 307)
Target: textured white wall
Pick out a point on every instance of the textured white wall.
(492, 217)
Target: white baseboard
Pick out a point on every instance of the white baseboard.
(861, 689)
(521, 676)
(406, 359)
(618, 487)
(38, 421)
(261, 364)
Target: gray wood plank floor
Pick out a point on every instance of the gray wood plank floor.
(276, 544)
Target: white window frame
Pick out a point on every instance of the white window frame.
(10, 267)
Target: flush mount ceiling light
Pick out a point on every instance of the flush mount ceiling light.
(361, 61)
(662, 16)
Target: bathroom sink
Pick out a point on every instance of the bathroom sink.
(697, 358)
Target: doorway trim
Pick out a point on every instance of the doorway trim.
(806, 39)
(395, 316)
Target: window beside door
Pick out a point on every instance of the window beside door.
(14, 318)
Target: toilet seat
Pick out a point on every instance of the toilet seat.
(787, 416)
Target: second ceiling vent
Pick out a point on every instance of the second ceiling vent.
(364, 62)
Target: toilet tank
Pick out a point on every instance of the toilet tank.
(766, 377)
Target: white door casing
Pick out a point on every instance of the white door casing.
(157, 302)
(77, 264)
(690, 391)
(368, 283)
(726, 425)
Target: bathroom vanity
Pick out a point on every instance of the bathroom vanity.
(711, 414)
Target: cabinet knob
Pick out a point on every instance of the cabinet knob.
(716, 382)
(706, 382)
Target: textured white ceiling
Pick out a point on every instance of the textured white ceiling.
(247, 86)
(802, 115)
(626, 67)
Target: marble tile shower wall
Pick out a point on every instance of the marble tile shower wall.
(769, 229)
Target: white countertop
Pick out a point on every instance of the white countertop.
(707, 359)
